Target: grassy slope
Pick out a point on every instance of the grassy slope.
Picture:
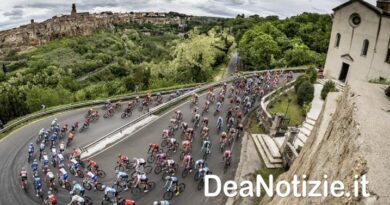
(294, 113)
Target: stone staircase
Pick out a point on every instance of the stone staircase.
(339, 85)
(268, 149)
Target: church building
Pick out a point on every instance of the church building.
(359, 47)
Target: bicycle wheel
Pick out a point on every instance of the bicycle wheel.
(157, 169)
(184, 173)
(182, 187)
(87, 186)
(168, 195)
(120, 168)
(169, 152)
(99, 186)
(148, 169)
(135, 191)
(150, 186)
(150, 159)
(118, 187)
(200, 185)
(80, 173)
(164, 143)
(196, 176)
(87, 200)
(101, 173)
(67, 186)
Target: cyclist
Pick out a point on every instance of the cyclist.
(34, 165)
(153, 148)
(23, 175)
(45, 159)
(31, 148)
(184, 127)
(164, 202)
(122, 160)
(75, 166)
(205, 122)
(204, 171)
(75, 126)
(109, 192)
(122, 177)
(40, 133)
(220, 122)
(54, 122)
(170, 164)
(188, 161)
(218, 106)
(197, 118)
(92, 165)
(161, 157)
(51, 198)
(227, 156)
(77, 189)
(222, 137)
(186, 146)
(128, 202)
(62, 147)
(141, 178)
(41, 149)
(61, 160)
(172, 144)
(37, 184)
(205, 132)
(190, 134)
(50, 178)
(91, 177)
(206, 105)
(200, 163)
(63, 176)
(206, 146)
(171, 183)
(174, 123)
(139, 163)
(179, 115)
(196, 109)
(76, 198)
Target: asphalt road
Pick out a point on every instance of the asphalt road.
(13, 148)
(13, 152)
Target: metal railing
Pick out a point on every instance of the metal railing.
(85, 104)
(86, 148)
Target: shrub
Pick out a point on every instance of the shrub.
(312, 73)
(387, 91)
(301, 79)
(328, 87)
(305, 93)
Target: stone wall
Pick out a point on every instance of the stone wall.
(35, 34)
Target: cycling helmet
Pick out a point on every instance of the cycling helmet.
(74, 183)
(23, 169)
(48, 170)
(168, 178)
(116, 171)
(156, 203)
(53, 146)
(35, 160)
(31, 144)
(119, 155)
(48, 192)
(104, 186)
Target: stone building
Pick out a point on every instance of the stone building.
(359, 47)
(35, 34)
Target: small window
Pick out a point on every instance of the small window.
(365, 47)
(388, 53)
(338, 37)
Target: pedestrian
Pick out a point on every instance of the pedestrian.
(43, 106)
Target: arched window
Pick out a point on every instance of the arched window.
(365, 47)
(337, 43)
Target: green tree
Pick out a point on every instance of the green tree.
(305, 93)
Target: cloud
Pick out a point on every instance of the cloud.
(17, 12)
(14, 13)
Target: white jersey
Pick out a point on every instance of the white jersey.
(62, 146)
(53, 152)
(77, 198)
(63, 171)
(50, 175)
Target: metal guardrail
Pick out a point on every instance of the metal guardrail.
(155, 109)
(85, 104)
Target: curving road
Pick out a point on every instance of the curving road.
(13, 152)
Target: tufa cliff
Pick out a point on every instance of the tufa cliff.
(35, 34)
(352, 138)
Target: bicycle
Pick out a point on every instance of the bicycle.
(206, 153)
(226, 164)
(108, 114)
(65, 184)
(78, 171)
(52, 186)
(176, 190)
(83, 128)
(187, 169)
(119, 185)
(148, 186)
(126, 114)
(98, 172)
(88, 185)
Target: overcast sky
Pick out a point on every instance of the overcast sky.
(19, 12)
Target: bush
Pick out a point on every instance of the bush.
(387, 91)
(305, 93)
(329, 86)
(312, 73)
(301, 79)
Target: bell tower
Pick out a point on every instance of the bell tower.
(74, 11)
(383, 4)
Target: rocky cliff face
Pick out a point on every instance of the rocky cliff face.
(333, 149)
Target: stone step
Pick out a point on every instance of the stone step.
(272, 147)
(307, 126)
(279, 141)
(301, 137)
(310, 121)
(268, 152)
(298, 142)
(262, 154)
(305, 131)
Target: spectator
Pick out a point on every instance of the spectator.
(43, 106)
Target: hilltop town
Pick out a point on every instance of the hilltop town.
(85, 23)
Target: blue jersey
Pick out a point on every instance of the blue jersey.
(30, 148)
(78, 188)
(53, 137)
(109, 190)
(164, 202)
(122, 175)
(34, 166)
(42, 146)
(61, 159)
(37, 183)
